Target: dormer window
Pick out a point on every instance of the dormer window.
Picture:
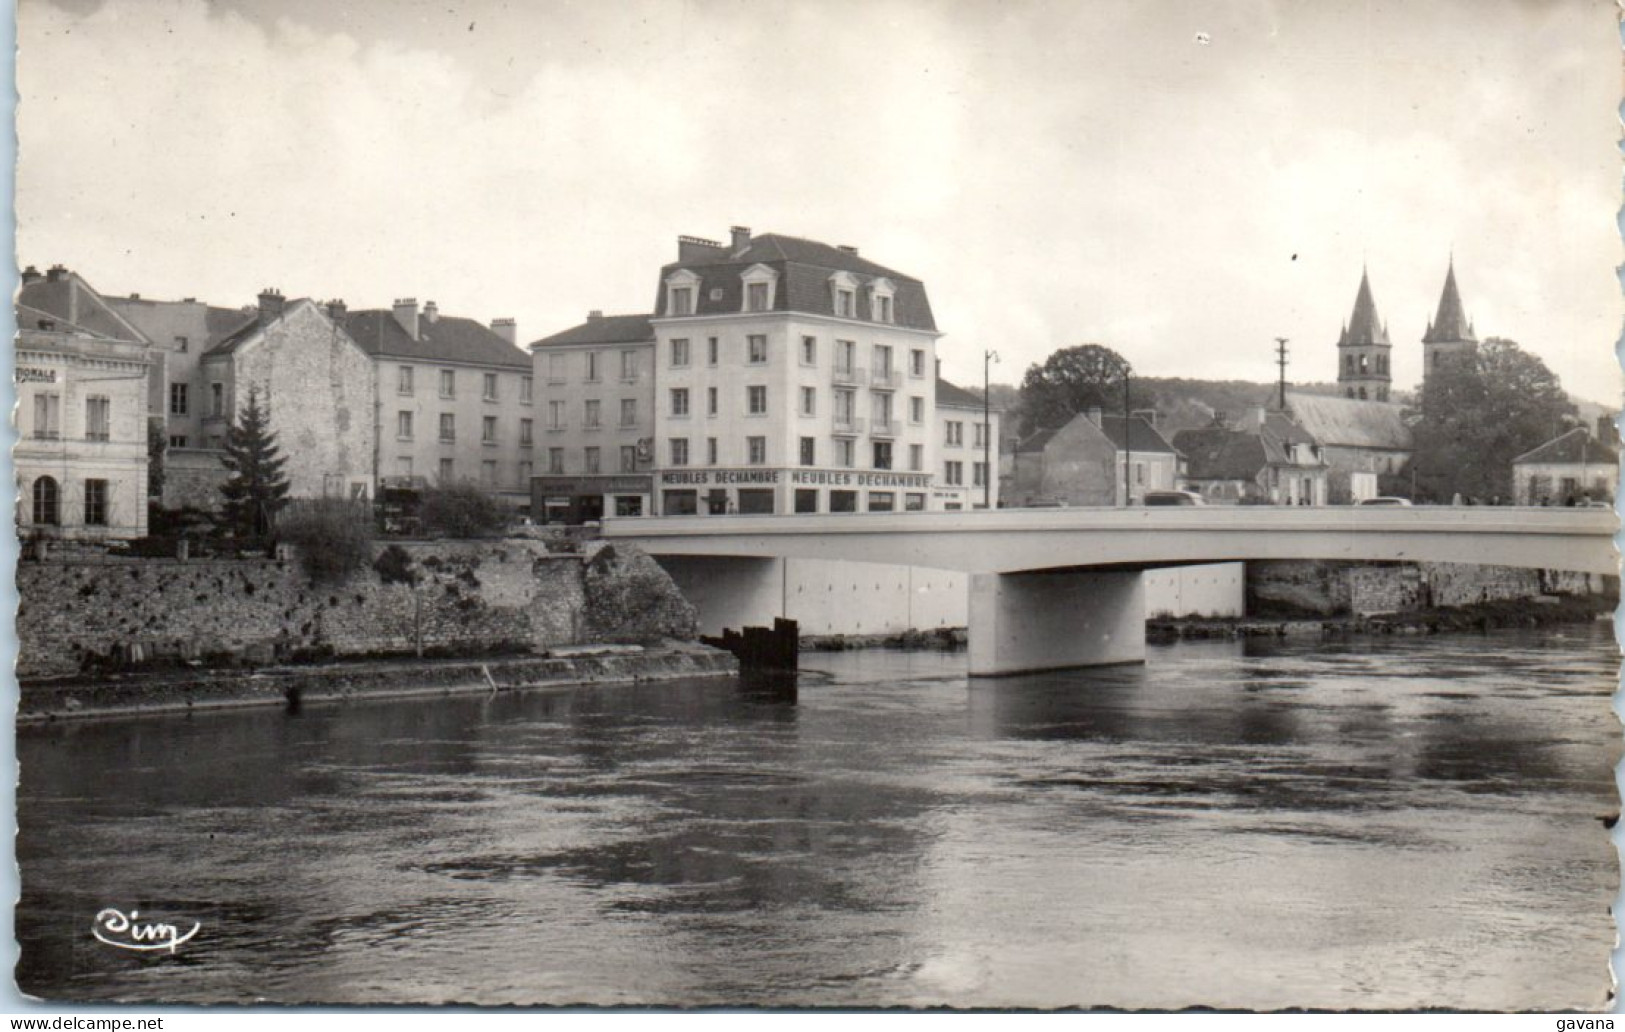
(844, 295)
(682, 287)
(881, 293)
(760, 284)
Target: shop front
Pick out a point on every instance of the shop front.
(588, 499)
(758, 491)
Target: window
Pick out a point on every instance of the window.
(526, 471)
(679, 451)
(882, 455)
(809, 451)
(629, 458)
(710, 451)
(555, 415)
(555, 369)
(806, 499)
(403, 425)
(710, 351)
(403, 380)
(682, 301)
(679, 401)
(756, 297)
(882, 501)
(760, 282)
(403, 465)
(592, 367)
(756, 349)
(95, 503)
(914, 503)
(177, 440)
(846, 357)
(629, 412)
(882, 363)
(916, 362)
(48, 416)
(756, 450)
(448, 471)
(883, 309)
(710, 401)
(628, 505)
(47, 503)
(979, 474)
(809, 351)
(555, 460)
(916, 458)
(954, 473)
(448, 383)
(181, 345)
(981, 434)
(916, 410)
(845, 454)
(845, 403)
(591, 413)
(177, 399)
(756, 501)
(843, 303)
(679, 352)
(680, 503)
(488, 472)
(526, 387)
(956, 432)
(217, 399)
(98, 418)
(843, 501)
(629, 366)
(527, 433)
(756, 401)
(488, 389)
(590, 461)
(809, 401)
(448, 427)
(880, 300)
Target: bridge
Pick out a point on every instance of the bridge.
(1054, 588)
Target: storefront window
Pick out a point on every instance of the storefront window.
(806, 499)
(882, 501)
(755, 500)
(914, 502)
(843, 501)
(680, 503)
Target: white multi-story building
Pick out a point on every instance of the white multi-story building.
(968, 432)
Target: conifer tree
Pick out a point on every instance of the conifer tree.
(257, 488)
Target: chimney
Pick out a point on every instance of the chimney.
(406, 313)
(189, 300)
(336, 309)
(431, 311)
(507, 329)
(55, 273)
(271, 301)
(134, 296)
(30, 274)
(741, 238)
(848, 248)
(596, 313)
(1094, 414)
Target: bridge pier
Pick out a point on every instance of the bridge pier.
(1022, 622)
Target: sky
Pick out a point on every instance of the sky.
(1181, 182)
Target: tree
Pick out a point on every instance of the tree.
(462, 510)
(257, 488)
(1074, 380)
(1479, 411)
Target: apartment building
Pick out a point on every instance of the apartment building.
(968, 439)
(597, 419)
(455, 399)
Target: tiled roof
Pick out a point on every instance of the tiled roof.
(804, 268)
(203, 325)
(446, 338)
(70, 299)
(1139, 435)
(29, 318)
(605, 329)
(1035, 441)
(1450, 324)
(1573, 448)
(949, 396)
(1220, 453)
(1350, 423)
(1364, 327)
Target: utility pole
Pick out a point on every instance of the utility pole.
(1128, 434)
(988, 357)
(1280, 360)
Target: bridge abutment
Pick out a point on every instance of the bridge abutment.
(1023, 622)
(729, 591)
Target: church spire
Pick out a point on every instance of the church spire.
(1450, 325)
(1364, 327)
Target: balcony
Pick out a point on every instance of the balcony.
(884, 380)
(848, 426)
(885, 428)
(849, 376)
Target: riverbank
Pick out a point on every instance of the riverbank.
(191, 690)
(942, 638)
(1541, 611)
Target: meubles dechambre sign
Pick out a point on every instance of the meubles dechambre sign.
(799, 477)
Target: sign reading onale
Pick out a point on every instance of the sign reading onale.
(34, 374)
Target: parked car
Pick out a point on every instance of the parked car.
(1386, 500)
(1173, 498)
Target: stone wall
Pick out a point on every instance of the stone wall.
(1324, 588)
(468, 598)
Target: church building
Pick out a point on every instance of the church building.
(1363, 350)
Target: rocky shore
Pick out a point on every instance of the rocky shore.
(1542, 611)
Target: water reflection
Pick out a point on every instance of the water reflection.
(1375, 825)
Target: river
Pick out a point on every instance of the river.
(1393, 823)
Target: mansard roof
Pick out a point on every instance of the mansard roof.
(804, 268)
(1364, 327)
(952, 396)
(1450, 325)
(602, 329)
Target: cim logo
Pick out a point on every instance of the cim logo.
(128, 932)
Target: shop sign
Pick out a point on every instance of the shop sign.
(593, 485)
(34, 374)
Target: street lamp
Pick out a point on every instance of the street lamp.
(1128, 426)
(988, 357)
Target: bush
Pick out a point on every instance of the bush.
(394, 566)
(461, 511)
(333, 535)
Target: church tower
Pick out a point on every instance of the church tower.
(1363, 349)
(1450, 333)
